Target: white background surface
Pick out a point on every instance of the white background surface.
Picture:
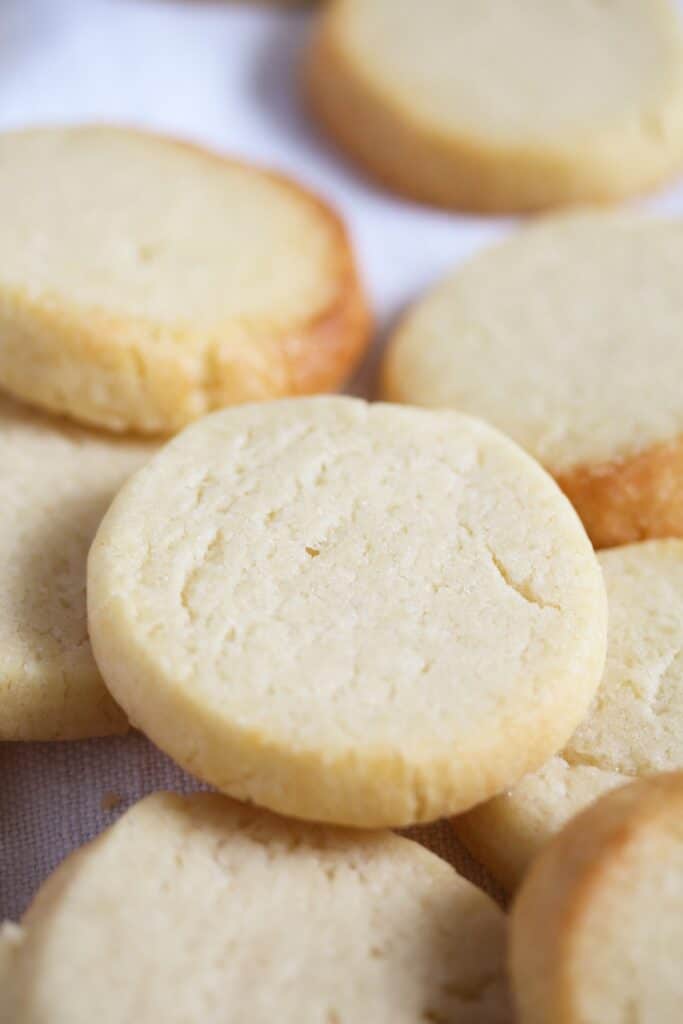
(225, 75)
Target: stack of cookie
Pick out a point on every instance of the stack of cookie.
(568, 338)
(151, 283)
(345, 617)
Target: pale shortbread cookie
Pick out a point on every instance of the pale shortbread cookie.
(56, 482)
(568, 338)
(11, 937)
(597, 928)
(367, 615)
(144, 282)
(634, 727)
(199, 909)
(497, 106)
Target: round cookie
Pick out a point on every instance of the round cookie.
(597, 928)
(11, 936)
(634, 727)
(483, 106)
(567, 337)
(190, 905)
(360, 614)
(56, 482)
(144, 282)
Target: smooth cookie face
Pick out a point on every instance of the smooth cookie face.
(597, 928)
(149, 281)
(633, 729)
(566, 338)
(361, 614)
(191, 905)
(480, 106)
(56, 482)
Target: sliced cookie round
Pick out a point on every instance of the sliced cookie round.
(362, 614)
(56, 482)
(633, 729)
(597, 928)
(567, 337)
(199, 909)
(499, 106)
(145, 282)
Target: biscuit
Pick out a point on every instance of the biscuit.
(56, 482)
(499, 106)
(199, 909)
(360, 614)
(145, 282)
(567, 338)
(11, 936)
(597, 928)
(634, 727)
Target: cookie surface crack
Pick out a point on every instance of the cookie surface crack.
(522, 588)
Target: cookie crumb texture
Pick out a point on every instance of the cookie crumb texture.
(199, 909)
(362, 614)
(566, 337)
(145, 282)
(634, 727)
(499, 106)
(56, 482)
(597, 928)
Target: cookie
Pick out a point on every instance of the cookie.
(147, 282)
(597, 928)
(360, 614)
(11, 937)
(198, 908)
(499, 106)
(634, 727)
(56, 482)
(567, 337)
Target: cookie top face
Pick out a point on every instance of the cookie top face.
(144, 267)
(634, 727)
(597, 928)
(355, 613)
(189, 905)
(566, 337)
(56, 482)
(487, 70)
